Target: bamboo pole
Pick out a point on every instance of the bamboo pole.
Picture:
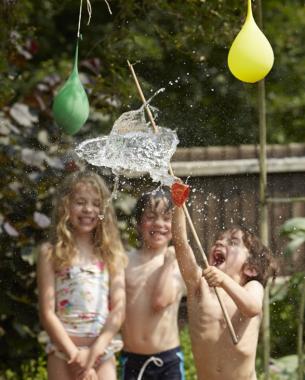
(263, 219)
(263, 206)
(300, 333)
(201, 260)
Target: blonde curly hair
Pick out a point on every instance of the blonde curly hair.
(106, 237)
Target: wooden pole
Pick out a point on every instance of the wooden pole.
(263, 205)
(300, 333)
(201, 260)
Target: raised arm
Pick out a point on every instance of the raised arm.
(166, 288)
(46, 295)
(189, 269)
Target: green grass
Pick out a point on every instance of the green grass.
(190, 372)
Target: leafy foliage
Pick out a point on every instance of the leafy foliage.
(294, 229)
(284, 303)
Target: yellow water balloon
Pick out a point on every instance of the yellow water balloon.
(251, 56)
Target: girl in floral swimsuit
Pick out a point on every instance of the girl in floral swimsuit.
(81, 282)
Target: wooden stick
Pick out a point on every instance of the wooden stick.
(201, 260)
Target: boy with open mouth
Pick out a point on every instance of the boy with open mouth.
(239, 266)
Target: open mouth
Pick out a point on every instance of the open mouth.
(218, 258)
(157, 233)
(86, 220)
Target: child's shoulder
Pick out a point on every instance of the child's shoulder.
(44, 257)
(171, 250)
(254, 286)
(132, 255)
(45, 250)
(171, 253)
(46, 246)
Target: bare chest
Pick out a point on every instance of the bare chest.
(206, 316)
(141, 280)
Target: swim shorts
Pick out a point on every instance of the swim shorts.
(165, 365)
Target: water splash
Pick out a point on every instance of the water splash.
(113, 195)
(133, 147)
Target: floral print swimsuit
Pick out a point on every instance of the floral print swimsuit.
(82, 298)
(82, 305)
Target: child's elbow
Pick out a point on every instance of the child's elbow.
(45, 317)
(122, 318)
(252, 311)
(119, 317)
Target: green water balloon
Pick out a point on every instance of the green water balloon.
(71, 105)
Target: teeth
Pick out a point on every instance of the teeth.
(86, 220)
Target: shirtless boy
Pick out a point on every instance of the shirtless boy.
(239, 267)
(154, 288)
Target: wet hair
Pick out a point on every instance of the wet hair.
(106, 237)
(260, 257)
(146, 200)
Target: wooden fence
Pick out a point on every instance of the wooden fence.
(225, 190)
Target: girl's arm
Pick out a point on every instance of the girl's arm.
(248, 298)
(115, 317)
(189, 269)
(46, 296)
(165, 289)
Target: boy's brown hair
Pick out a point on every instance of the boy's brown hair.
(146, 200)
(260, 256)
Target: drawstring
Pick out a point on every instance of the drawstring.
(157, 361)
